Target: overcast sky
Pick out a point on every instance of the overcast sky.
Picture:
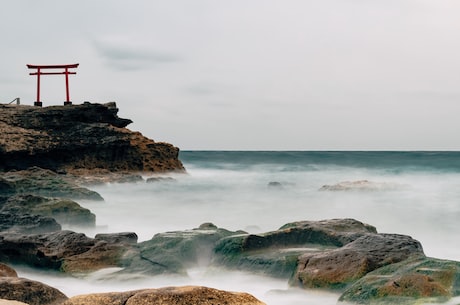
(250, 74)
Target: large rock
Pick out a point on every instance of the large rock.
(276, 253)
(167, 296)
(418, 280)
(29, 291)
(335, 269)
(26, 223)
(64, 211)
(87, 136)
(43, 182)
(174, 252)
(65, 251)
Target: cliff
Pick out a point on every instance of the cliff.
(78, 138)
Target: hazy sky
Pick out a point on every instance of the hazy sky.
(250, 74)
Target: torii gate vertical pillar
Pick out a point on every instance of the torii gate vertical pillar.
(66, 73)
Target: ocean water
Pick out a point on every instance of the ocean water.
(413, 193)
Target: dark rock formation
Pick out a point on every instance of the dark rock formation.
(276, 253)
(79, 137)
(64, 211)
(43, 182)
(418, 280)
(337, 268)
(174, 252)
(29, 292)
(168, 296)
(66, 251)
(27, 224)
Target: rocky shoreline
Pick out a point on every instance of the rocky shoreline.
(48, 157)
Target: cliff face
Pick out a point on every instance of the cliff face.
(78, 138)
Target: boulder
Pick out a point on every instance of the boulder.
(418, 280)
(88, 136)
(337, 268)
(26, 223)
(29, 292)
(167, 296)
(64, 211)
(44, 182)
(174, 252)
(276, 253)
(65, 251)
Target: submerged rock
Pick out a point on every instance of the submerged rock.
(87, 136)
(361, 185)
(168, 296)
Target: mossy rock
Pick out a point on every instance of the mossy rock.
(417, 280)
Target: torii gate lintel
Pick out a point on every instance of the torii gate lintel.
(66, 72)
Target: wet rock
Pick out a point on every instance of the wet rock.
(27, 224)
(43, 182)
(174, 252)
(118, 238)
(7, 271)
(88, 136)
(65, 251)
(361, 185)
(418, 280)
(168, 296)
(337, 268)
(275, 185)
(160, 179)
(29, 292)
(275, 253)
(64, 211)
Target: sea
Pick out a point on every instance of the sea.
(416, 193)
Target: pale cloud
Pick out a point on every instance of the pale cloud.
(127, 56)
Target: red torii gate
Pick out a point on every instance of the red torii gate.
(66, 72)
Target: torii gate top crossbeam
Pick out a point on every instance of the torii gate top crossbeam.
(52, 66)
(66, 72)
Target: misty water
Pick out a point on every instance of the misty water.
(416, 194)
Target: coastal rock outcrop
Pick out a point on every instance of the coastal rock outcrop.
(335, 269)
(81, 138)
(419, 280)
(174, 252)
(44, 182)
(276, 253)
(65, 251)
(64, 211)
(168, 296)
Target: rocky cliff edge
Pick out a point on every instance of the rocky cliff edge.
(78, 139)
